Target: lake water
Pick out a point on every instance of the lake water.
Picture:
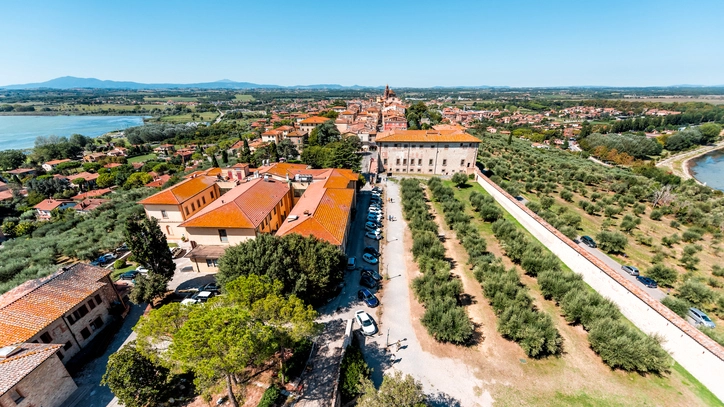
(19, 132)
(709, 169)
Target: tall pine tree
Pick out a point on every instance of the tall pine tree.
(150, 248)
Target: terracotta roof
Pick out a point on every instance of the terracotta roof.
(21, 171)
(320, 212)
(113, 165)
(89, 204)
(85, 175)
(158, 182)
(89, 194)
(239, 144)
(31, 307)
(56, 162)
(50, 204)
(181, 192)
(244, 207)
(24, 359)
(315, 120)
(282, 169)
(426, 136)
(206, 252)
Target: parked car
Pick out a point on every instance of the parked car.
(129, 275)
(141, 270)
(371, 273)
(110, 257)
(122, 248)
(371, 250)
(199, 297)
(213, 287)
(374, 210)
(368, 298)
(378, 189)
(588, 241)
(351, 263)
(648, 282)
(370, 258)
(700, 318)
(374, 218)
(367, 281)
(369, 225)
(367, 324)
(630, 270)
(373, 235)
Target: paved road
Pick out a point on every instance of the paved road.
(654, 292)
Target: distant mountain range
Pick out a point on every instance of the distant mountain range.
(71, 82)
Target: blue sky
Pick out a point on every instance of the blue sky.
(403, 43)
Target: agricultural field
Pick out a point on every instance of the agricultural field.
(108, 108)
(244, 98)
(190, 117)
(142, 158)
(171, 98)
(575, 375)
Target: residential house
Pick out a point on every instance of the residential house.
(438, 152)
(164, 150)
(253, 207)
(31, 374)
(118, 152)
(114, 165)
(91, 194)
(22, 172)
(308, 124)
(68, 308)
(93, 157)
(174, 205)
(50, 165)
(46, 207)
(89, 179)
(272, 136)
(297, 139)
(87, 205)
(158, 181)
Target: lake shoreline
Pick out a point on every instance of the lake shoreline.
(689, 165)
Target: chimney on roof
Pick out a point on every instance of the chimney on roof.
(306, 212)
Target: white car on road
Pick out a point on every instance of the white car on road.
(373, 235)
(366, 323)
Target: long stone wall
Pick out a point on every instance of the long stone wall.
(696, 352)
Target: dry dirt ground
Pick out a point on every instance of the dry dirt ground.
(577, 377)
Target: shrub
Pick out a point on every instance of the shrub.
(622, 346)
(664, 276)
(696, 293)
(567, 195)
(690, 236)
(546, 202)
(352, 369)
(675, 224)
(119, 264)
(612, 242)
(270, 396)
(534, 206)
(717, 270)
(656, 214)
(459, 179)
(679, 306)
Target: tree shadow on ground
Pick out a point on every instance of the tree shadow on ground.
(197, 282)
(442, 400)
(378, 357)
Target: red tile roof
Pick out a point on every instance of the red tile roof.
(90, 194)
(321, 212)
(244, 207)
(50, 204)
(56, 162)
(90, 204)
(315, 120)
(426, 136)
(181, 192)
(31, 307)
(24, 359)
(85, 175)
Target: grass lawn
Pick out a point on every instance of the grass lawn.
(116, 274)
(578, 377)
(142, 158)
(244, 98)
(173, 245)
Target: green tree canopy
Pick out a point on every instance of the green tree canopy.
(150, 248)
(135, 379)
(396, 390)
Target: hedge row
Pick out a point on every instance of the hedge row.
(518, 318)
(444, 317)
(619, 344)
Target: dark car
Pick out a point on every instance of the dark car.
(630, 270)
(367, 281)
(129, 275)
(371, 250)
(371, 273)
(648, 282)
(213, 287)
(369, 298)
(588, 241)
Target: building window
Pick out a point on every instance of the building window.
(60, 355)
(67, 345)
(430, 169)
(444, 162)
(446, 146)
(193, 207)
(186, 208)
(394, 145)
(97, 323)
(404, 161)
(419, 161)
(404, 145)
(419, 170)
(198, 203)
(462, 163)
(99, 301)
(164, 214)
(430, 162)
(15, 396)
(91, 304)
(385, 162)
(212, 262)
(203, 199)
(275, 210)
(85, 333)
(46, 338)
(397, 162)
(77, 314)
(222, 236)
(212, 194)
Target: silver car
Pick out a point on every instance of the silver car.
(630, 270)
(700, 318)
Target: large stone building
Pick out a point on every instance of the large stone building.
(31, 374)
(174, 205)
(68, 308)
(429, 152)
